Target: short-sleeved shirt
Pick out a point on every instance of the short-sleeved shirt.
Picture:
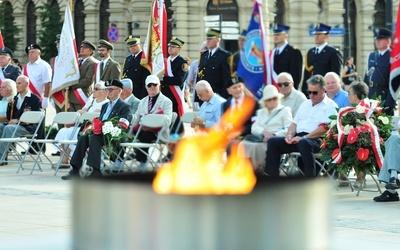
(341, 98)
(39, 73)
(211, 111)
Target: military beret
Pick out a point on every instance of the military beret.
(176, 42)
(58, 38)
(32, 46)
(114, 82)
(105, 44)
(132, 40)
(233, 81)
(321, 28)
(213, 33)
(382, 33)
(6, 51)
(88, 44)
(280, 29)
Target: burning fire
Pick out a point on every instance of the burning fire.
(198, 166)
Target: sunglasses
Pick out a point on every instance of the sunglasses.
(312, 92)
(272, 99)
(96, 89)
(152, 85)
(110, 89)
(280, 84)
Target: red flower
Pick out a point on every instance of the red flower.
(335, 153)
(378, 110)
(364, 128)
(335, 137)
(323, 145)
(362, 154)
(381, 141)
(352, 137)
(330, 134)
(97, 126)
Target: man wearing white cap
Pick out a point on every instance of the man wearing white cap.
(127, 95)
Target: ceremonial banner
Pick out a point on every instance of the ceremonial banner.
(254, 66)
(1, 41)
(155, 45)
(66, 69)
(394, 79)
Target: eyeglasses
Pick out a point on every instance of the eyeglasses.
(111, 89)
(152, 85)
(95, 89)
(281, 84)
(312, 92)
(272, 99)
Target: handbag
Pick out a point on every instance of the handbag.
(254, 138)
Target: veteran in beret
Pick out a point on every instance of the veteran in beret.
(214, 64)
(322, 58)
(107, 68)
(8, 70)
(132, 68)
(378, 70)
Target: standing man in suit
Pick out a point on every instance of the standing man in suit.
(285, 57)
(79, 93)
(127, 95)
(234, 59)
(214, 65)
(154, 103)
(107, 68)
(322, 58)
(173, 80)
(115, 108)
(378, 70)
(132, 68)
(8, 70)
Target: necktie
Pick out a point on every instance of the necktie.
(101, 67)
(80, 62)
(276, 52)
(150, 103)
(316, 51)
(209, 54)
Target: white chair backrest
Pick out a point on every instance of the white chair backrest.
(153, 120)
(33, 117)
(189, 116)
(89, 116)
(66, 118)
(395, 123)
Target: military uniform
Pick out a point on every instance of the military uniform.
(215, 68)
(234, 59)
(327, 60)
(377, 74)
(134, 71)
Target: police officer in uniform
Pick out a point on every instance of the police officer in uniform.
(213, 65)
(234, 59)
(132, 68)
(286, 58)
(175, 75)
(322, 58)
(378, 71)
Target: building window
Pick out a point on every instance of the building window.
(104, 19)
(379, 16)
(280, 12)
(79, 22)
(31, 23)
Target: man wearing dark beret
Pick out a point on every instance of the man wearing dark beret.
(107, 68)
(378, 70)
(174, 77)
(322, 58)
(115, 108)
(79, 93)
(132, 68)
(7, 69)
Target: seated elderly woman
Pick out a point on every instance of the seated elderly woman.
(272, 120)
(96, 100)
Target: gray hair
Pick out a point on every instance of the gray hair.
(11, 85)
(334, 75)
(203, 85)
(317, 80)
(287, 75)
(360, 89)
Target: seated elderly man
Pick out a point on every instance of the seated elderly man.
(155, 102)
(8, 90)
(127, 95)
(25, 100)
(304, 134)
(334, 90)
(292, 98)
(114, 108)
(211, 109)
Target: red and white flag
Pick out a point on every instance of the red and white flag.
(1, 41)
(394, 79)
(66, 69)
(155, 45)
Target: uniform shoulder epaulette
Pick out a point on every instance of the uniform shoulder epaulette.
(295, 47)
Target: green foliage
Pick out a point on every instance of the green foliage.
(8, 27)
(49, 14)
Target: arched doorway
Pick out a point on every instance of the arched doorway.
(31, 23)
(280, 10)
(228, 12)
(104, 19)
(79, 22)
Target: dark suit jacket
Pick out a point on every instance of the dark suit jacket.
(12, 72)
(31, 103)
(112, 70)
(290, 60)
(137, 73)
(86, 71)
(120, 109)
(215, 70)
(247, 117)
(328, 60)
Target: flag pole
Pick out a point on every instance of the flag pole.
(66, 92)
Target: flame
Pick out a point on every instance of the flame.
(198, 166)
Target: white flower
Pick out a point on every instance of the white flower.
(107, 127)
(384, 119)
(333, 124)
(115, 132)
(347, 129)
(360, 110)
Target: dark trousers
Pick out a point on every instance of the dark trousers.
(278, 146)
(94, 143)
(144, 136)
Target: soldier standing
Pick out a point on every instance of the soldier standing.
(234, 59)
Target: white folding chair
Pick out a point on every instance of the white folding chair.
(61, 118)
(14, 143)
(88, 116)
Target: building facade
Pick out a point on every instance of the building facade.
(186, 20)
